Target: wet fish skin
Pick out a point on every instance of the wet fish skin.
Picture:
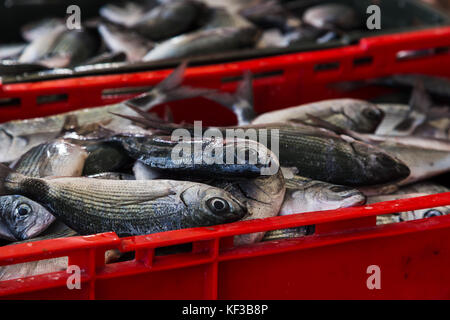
(169, 19)
(105, 157)
(126, 15)
(41, 46)
(357, 115)
(117, 40)
(306, 195)
(204, 42)
(22, 218)
(18, 136)
(11, 51)
(220, 17)
(337, 161)
(55, 158)
(262, 196)
(317, 153)
(137, 207)
(35, 29)
(248, 158)
(331, 16)
(72, 48)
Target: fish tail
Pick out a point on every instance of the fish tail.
(170, 89)
(241, 102)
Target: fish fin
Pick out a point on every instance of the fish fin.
(174, 79)
(241, 102)
(338, 130)
(420, 99)
(168, 90)
(4, 173)
(70, 123)
(419, 104)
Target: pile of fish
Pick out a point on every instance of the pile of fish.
(175, 29)
(114, 168)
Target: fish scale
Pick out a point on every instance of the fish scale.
(126, 207)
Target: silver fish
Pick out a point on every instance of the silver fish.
(358, 115)
(331, 16)
(117, 40)
(21, 218)
(204, 42)
(18, 136)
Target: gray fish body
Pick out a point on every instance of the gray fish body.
(22, 218)
(329, 16)
(73, 47)
(222, 17)
(262, 196)
(204, 42)
(169, 19)
(306, 195)
(104, 157)
(334, 160)
(357, 115)
(92, 206)
(127, 15)
(118, 40)
(18, 136)
(11, 51)
(424, 157)
(41, 46)
(229, 157)
(36, 29)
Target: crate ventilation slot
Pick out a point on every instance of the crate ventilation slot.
(363, 61)
(326, 66)
(406, 55)
(52, 98)
(9, 102)
(258, 75)
(114, 92)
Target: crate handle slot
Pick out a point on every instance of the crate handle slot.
(52, 98)
(320, 67)
(10, 102)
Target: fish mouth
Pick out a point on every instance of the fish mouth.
(6, 234)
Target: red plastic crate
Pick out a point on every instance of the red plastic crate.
(414, 257)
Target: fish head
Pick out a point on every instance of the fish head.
(364, 116)
(331, 197)
(23, 218)
(380, 167)
(212, 206)
(320, 196)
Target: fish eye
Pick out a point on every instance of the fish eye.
(23, 209)
(372, 114)
(432, 213)
(218, 205)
